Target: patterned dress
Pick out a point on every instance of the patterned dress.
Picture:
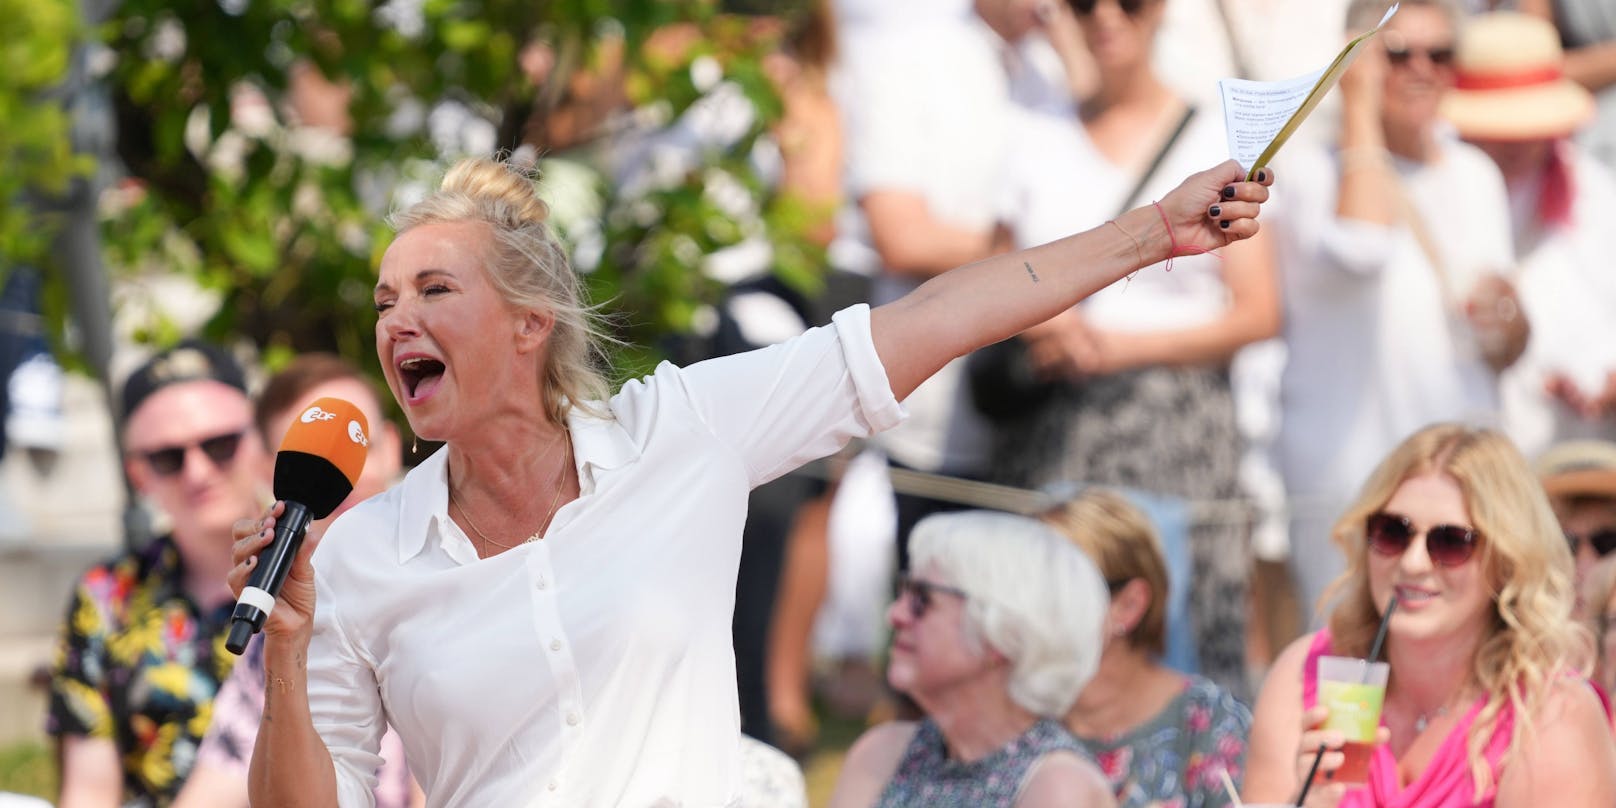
(1173, 760)
(927, 778)
(138, 664)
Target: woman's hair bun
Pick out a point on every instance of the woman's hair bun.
(511, 189)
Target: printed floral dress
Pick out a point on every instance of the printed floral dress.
(1173, 760)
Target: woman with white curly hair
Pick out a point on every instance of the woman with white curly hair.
(997, 627)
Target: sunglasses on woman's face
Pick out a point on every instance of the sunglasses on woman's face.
(167, 461)
(1602, 540)
(1447, 545)
(1399, 54)
(920, 594)
(1129, 7)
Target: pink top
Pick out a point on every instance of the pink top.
(1446, 781)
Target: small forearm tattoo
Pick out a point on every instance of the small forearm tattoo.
(1030, 273)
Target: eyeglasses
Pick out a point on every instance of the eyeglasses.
(1448, 545)
(1400, 54)
(919, 592)
(1129, 7)
(169, 460)
(1602, 540)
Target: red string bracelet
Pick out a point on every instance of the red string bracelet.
(1172, 240)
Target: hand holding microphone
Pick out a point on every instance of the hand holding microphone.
(316, 468)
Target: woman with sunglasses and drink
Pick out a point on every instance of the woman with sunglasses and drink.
(1396, 314)
(542, 608)
(1487, 703)
(1135, 387)
(1159, 736)
(996, 628)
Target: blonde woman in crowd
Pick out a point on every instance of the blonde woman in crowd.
(1486, 703)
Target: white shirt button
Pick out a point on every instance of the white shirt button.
(540, 582)
(572, 719)
(554, 785)
(555, 645)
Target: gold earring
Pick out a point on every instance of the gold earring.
(415, 445)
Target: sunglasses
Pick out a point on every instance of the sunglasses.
(1447, 545)
(1602, 540)
(919, 593)
(1129, 7)
(169, 460)
(1399, 54)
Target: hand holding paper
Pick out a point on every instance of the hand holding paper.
(1260, 116)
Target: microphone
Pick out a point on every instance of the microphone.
(315, 470)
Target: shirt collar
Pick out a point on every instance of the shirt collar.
(598, 444)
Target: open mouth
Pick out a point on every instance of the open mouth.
(420, 375)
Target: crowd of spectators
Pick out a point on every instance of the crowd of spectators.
(1431, 255)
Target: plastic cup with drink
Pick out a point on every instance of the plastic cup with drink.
(1354, 691)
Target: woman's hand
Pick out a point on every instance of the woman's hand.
(293, 615)
(1063, 347)
(1324, 793)
(1495, 314)
(1362, 84)
(1214, 208)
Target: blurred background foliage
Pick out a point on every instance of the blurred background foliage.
(260, 143)
(36, 46)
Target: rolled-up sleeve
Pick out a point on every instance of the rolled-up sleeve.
(784, 405)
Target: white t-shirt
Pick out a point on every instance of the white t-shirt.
(1568, 290)
(1059, 184)
(593, 667)
(1375, 352)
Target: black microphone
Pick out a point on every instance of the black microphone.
(315, 470)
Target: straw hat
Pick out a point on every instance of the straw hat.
(1511, 83)
(1579, 468)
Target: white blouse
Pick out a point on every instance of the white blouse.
(594, 667)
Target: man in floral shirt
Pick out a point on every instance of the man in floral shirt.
(142, 647)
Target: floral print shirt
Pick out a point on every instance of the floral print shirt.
(138, 663)
(1173, 760)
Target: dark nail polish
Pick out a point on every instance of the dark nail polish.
(1214, 211)
(1228, 192)
(1262, 175)
(1224, 224)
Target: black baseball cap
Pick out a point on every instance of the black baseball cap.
(189, 361)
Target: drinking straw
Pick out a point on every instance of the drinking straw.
(1228, 785)
(1380, 634)
(1301, 799)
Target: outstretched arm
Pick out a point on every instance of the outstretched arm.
(995, 298)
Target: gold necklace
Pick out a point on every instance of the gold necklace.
(561, 481)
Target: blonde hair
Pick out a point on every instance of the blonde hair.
(1120, 539)
(1524, 561)
(530, 270)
